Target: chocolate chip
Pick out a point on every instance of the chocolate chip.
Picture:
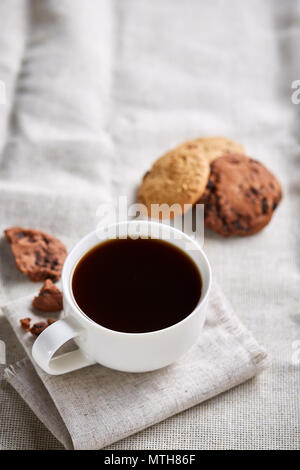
(264, 205)
(237, 224)
(37, 258)
(224, 222)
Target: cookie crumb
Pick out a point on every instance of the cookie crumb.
(38, 328)
(50, 321)
(25, 323)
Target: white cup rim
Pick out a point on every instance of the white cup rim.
(67, 278)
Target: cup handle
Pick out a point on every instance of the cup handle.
(50, 340)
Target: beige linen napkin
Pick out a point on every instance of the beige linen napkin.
(96, 406)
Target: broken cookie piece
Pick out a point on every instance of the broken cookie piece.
(49, 298)
(25, 323)
(38, 327)
(38, 255)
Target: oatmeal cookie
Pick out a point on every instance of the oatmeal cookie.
(214, 147)
(179, 177)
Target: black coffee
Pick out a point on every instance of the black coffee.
(136, 286)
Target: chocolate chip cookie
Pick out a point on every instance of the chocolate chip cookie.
(179, 177)
(37, 254)
(240, 197)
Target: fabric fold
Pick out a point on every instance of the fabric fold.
(96, 406)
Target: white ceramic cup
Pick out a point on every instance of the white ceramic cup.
(130, 352)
